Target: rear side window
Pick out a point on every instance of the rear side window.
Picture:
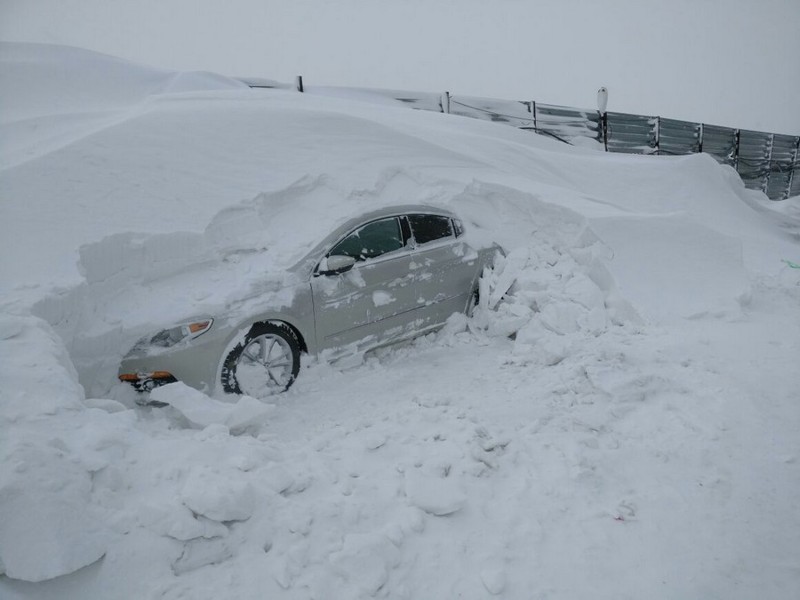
(429, 228)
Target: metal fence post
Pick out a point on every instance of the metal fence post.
(700, 138)
(736, 150)
(795, 168)
(765, 186)
(604, 129)
(657, 134)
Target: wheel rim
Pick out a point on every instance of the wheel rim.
(265, 366)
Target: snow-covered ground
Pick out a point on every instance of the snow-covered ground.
(625, 423)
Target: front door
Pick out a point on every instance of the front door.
(372, 302)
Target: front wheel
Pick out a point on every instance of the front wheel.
(264, 363)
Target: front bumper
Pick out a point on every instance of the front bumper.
(194, 363)
(145, 382)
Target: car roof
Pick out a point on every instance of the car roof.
(402, 209)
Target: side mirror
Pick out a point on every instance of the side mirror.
(333, 265)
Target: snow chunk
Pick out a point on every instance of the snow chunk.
(381, 298)
(202, 411)
(110, 406)
(562, 318)
(47, 526)
(364, 562)
(219, 495)
(178, 522)
(434, 495)
(10, 327)
(200, 552)
(494, 580)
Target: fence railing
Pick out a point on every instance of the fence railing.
(769, 162)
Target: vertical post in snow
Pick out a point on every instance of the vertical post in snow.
(446, 103)
(533, 112)
(602, 103)
(657, 134)
(795, 168)
(765, 185)
(298, 83)
(700, 137)
(736, 150)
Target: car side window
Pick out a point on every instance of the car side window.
(372, 240)
(429, 228)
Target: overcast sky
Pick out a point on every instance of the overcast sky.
(725, 62)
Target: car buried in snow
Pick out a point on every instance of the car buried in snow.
(380, 278)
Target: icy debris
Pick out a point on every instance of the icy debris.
(248, 412)
(365, 562)
(561, 318)
(201, 410)
(375, 440)
(581, 289)
(11, 327)
(215, 431)
(178, 522)
(625, 511)
(536, 344)
(411, 520)
(494, 580)
(486, 448)
(110, 406)
(219, 495)
(550, 294)
(435, 495)
(299, 523)
(508, 269)
(291, 563)
(276, 478)
(201, 552)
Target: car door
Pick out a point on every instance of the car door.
(371, 302)
(444, 267)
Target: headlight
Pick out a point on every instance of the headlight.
(169, 337)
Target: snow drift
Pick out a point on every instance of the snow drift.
(622, 405)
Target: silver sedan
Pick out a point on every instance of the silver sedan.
(386, 276)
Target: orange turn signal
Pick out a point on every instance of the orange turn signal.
(199, 326)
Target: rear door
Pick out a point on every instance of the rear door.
(444, 267)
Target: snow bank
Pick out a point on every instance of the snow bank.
(622, 403)
(54, 95)
(45, 80)
(36, 371)
(46, 529)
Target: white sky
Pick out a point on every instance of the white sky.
(726, 62)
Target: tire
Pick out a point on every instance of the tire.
(264, 363)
